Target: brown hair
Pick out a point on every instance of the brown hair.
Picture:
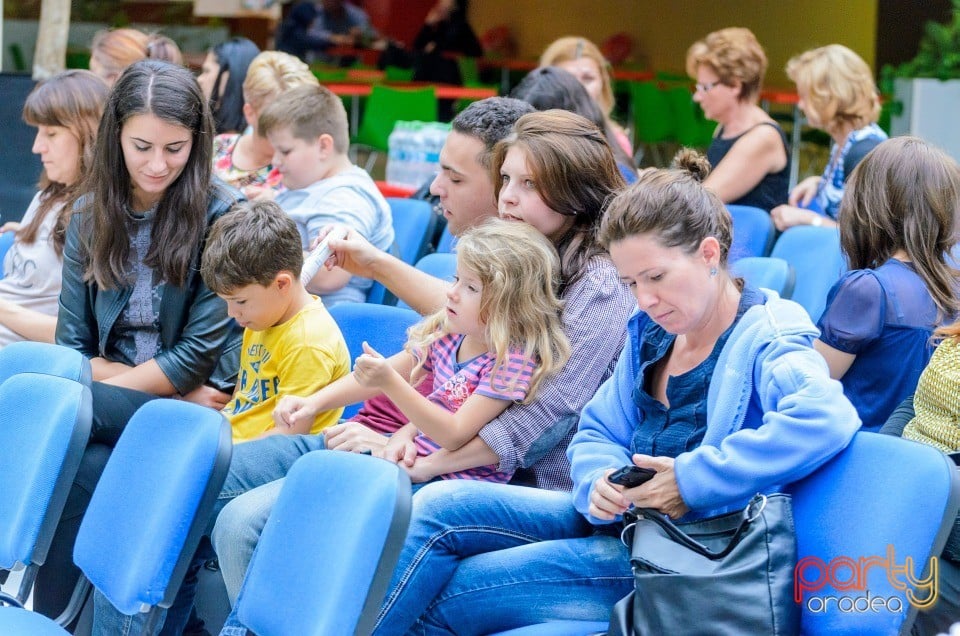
(839, 86)
(72, 99)
(672, 205)
(905, 194)
(251, 244)
(574, 172)
(309, 111)
(733, 54)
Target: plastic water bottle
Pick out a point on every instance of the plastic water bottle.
(436, 136)
(397, 144)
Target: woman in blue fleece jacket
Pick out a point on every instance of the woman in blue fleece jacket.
(718, 389)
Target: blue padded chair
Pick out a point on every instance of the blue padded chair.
(6, 240)
(447, 241)
(753, 232)
(383, 326)
(439, 265)
(378, 294)
(816, 257)
(767, 272)
(360, 505)
(149, 510)
(881, 491)
(42, 357)
(413, 226)
(40, 451)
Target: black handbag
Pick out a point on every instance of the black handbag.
(729, 575)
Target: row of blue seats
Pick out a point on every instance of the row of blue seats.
(171, 461)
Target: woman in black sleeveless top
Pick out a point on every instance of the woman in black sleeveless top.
(749, 150)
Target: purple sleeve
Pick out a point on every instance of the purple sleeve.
(855, 312)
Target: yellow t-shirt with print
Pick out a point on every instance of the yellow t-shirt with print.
(296, 357)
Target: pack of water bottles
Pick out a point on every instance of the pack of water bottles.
(414, 152)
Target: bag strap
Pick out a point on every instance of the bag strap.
(750, 514)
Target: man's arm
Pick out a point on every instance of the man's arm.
(424, 293)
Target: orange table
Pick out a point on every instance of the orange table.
(444, 91)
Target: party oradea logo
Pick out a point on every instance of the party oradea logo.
(849, 580)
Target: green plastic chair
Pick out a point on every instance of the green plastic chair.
(398, 74)
(385, 107)
(653, 119)
(328, 75)
(692, 128)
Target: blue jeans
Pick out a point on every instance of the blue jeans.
(482, 557)
(253, 464)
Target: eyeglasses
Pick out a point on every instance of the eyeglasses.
(706, 88)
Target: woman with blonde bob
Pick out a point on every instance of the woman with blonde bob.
(244, 160)
(582, 58)
(749, 155)
(837, 95)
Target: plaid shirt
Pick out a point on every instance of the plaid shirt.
(536, 435)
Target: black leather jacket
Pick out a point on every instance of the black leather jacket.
(199, 342)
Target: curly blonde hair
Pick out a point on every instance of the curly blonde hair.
(733, 54)
(839, 86)
(520, 272)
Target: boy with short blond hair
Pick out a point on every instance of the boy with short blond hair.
(291, 344)
(307, 127)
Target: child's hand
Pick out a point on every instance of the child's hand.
(420, 472)
(292, 410)
(256, 192)
(399, 450)
(9, 226)
(371, 369)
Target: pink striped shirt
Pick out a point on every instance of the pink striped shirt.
(454, 382)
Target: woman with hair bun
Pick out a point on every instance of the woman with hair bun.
(682, 401)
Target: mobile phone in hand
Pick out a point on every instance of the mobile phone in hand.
(631, 476)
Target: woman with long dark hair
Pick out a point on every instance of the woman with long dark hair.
(133, 300)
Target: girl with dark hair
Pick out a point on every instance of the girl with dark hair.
(66, 110)
(552, 87)
(221, 78)
(897, 223)
(133, 300)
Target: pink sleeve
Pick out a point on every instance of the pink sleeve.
(511, 382)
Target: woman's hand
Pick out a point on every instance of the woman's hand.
(208, 396)
(292, 409)
(257, 192)
(372, 370)
(662, 491)
(606, 500)
(803, 193)
(787, 216)
(9, 226)
(353, 436)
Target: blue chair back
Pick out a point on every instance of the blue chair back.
(753, 232)
(881, 497)
(42, 357)
(413, 226)
(44, 429)
(438, 265)
(153, 503)
(6, 242)
(816, 257)
(378, 294)
(343, 517)
(383, 326)
(767, 272)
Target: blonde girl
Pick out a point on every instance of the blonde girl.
(493, 343)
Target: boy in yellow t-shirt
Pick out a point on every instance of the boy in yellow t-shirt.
(291, 345)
